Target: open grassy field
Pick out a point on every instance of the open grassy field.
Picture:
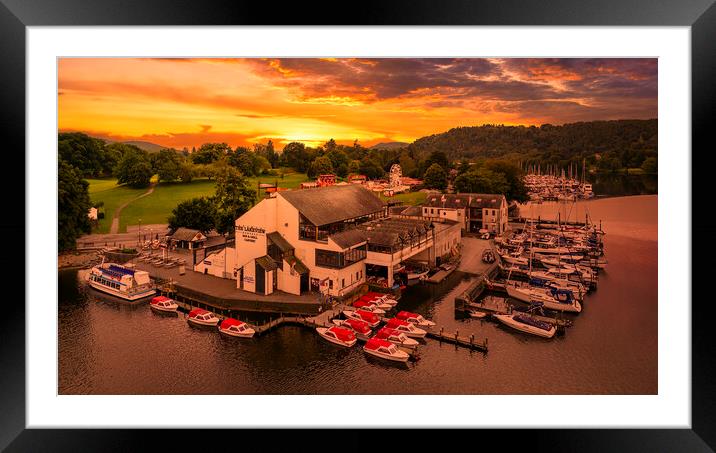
(156, 207)
(408, 198)
(113, 196)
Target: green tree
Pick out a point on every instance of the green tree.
(516, 189)
(73, 204)
(296, 156)
(168, 165)
(320, 166)
(232, 199)
(354, 167)
(134, 169)
(210, 152)
(435, 177)
(370, 168)
(482, 180)
(196, 213)
(407, 164)
(86, 154)
(186, 171)
(650, 165)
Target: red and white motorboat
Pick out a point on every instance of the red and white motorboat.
(414, 318)
(236, 328)
(202, 317)
(371, 318)
(396, 337)
(407, 328)
(385, 350)
(381, 300)
(338, 335)
(360, 328)
(368, 306)
(163, 303)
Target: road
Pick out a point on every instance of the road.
(114, 229)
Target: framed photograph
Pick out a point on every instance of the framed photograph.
(429, 216)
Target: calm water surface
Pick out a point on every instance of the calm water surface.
(111, 347)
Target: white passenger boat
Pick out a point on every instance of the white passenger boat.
(371, 318)
(236, 328)
(163, 303)
(417, 275)
(477, 314)
(361, 328)
(552, 299)
(385, 350)
(396, 337)
(338, 335)
(121, 281)
(368, 306)
(383, 298)
(405, 327)
(202, 317)
(526, 323)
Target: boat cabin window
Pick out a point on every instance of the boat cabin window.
(330, 334)
(383, 350)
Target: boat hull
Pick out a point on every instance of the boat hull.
(395, 358)
(348, 344)
(121, 294)
(245, 334)
(170, 309)
(200, 322)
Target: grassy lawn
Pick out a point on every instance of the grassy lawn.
(155, 208)
(113, 196)
(408, 198)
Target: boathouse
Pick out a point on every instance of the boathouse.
(323, 239)
(186, 238)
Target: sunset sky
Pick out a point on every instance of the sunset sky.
(187, 102)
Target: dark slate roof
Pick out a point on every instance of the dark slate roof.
(267, 263)
(481, 200)
(349, 238)
(331, 204)
(280, 241)
(297, 264)
(184, 234)
(392, 232)
(463, 200)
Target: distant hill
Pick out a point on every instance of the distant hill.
(146, 146)
(389, 145)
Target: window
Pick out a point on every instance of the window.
(330, 284)
(343, 283)
(327, 258)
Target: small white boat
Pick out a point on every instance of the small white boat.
(236, 328)
(396, 337)
(202, 317)
(477, 314)
(162, 303)
(385, 350)
(414, 318)
(384, 298)
(405, 327)
(526, 323)
(338, 335)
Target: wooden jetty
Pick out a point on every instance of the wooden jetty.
(455, 338)
(441, 275)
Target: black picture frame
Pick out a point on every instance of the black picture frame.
(700, 15)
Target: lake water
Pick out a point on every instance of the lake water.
(111, 347)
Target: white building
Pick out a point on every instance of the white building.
(474, 211)
(322, 240)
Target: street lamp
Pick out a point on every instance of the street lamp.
(139, 233)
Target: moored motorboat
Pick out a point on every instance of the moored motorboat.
(384, 298)
(368, 306)
(202, 317)
(361, 328)
(414, 318)
(385, 350)
(380, 303)
(121, 281)
(406, 327)
(371, 318)
(163, 303)
(236, 328)
(553, 299)
(477, 314)
(338, 335)
(527, 323)
(396, 337)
